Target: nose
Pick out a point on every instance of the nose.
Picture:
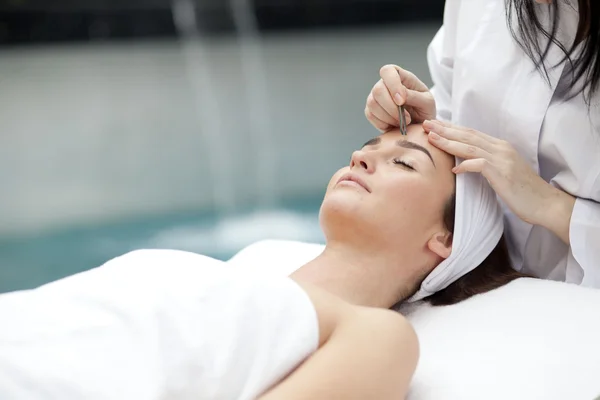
(361, 159)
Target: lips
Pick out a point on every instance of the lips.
(351, 177)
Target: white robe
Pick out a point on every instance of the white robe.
(483, 80)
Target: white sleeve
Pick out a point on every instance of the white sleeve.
(154, 324)
(584, 232)
(440, 58)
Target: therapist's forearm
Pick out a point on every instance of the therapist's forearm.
(371, 354)
(557, 214)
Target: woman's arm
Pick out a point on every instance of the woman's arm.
(555, 214)
(364, 353)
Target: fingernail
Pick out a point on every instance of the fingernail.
(454, 169)
(434, 135)
(398, 99)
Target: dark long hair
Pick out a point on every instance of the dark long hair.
(493, 272)
(529, 30)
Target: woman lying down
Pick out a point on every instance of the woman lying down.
(161, 324)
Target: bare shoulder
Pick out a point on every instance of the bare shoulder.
(381, 324)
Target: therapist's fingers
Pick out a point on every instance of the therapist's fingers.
(484, 167)
(407, 117)
(417, 93)
(392, 79)
(421, 104)
(407, 80)
(392, 91)
(474, 165)
(462, 150)
(378, 110)
(461, 134)
(376, 122)
(380, 101)
(408, 90)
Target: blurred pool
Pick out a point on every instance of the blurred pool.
(28, 263)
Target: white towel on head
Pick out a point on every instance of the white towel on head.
(478, 227)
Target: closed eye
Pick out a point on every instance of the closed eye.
(403, 163)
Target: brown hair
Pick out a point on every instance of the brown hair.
(493, 272)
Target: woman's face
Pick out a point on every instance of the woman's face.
(391, 196)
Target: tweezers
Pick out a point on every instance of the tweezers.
(402, 120)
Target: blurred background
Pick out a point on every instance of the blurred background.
(201, 125)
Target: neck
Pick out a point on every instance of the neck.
(355, 276)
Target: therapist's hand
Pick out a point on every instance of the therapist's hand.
(398, 87)
(529, 196)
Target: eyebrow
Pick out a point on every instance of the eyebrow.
(403, 143)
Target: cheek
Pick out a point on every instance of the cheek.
(410, 204)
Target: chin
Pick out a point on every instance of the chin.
(344, 213)
(342, 201)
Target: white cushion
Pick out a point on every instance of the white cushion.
(531, 339)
